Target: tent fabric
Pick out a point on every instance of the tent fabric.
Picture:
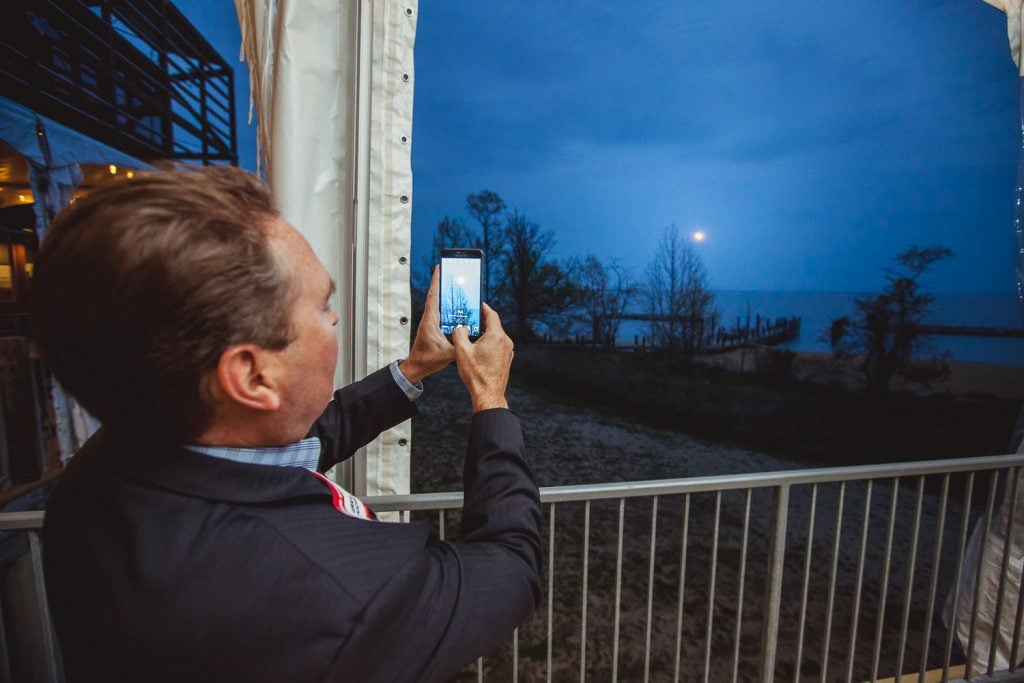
(1014, 28)
(332, 91)
(986, 594)
(18, 128)
(54, 153)
(389, 223)
(1014, 31)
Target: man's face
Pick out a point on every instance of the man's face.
(309, 360)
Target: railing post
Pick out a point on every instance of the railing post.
(30, 645)
(5, 657)
(49, 643)
(773, 584)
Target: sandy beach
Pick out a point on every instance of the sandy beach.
(966, 377)
(575, 445)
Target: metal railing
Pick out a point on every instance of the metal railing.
(808, 575)
(834, 549)
(28, 649)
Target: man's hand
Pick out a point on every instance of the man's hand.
(484, 366)
(430, 352)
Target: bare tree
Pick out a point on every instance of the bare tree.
(450, 233)
(532, 287)
(603, 293)
(486, 207)
(454, 307)
(681, 304)
(885, 333)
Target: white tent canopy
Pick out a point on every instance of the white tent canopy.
(1014, 29)
(332, 83)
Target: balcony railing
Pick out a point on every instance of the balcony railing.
(807, 575)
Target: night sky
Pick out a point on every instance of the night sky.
(810, 141)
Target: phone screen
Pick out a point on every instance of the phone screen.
(460, 290)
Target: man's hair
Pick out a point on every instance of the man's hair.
(142, 284)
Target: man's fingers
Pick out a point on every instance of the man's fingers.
(460, 337)
(430, 311)
(491, 319)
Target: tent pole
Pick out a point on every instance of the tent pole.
(359, 249)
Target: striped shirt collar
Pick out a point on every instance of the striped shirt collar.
(304, 453)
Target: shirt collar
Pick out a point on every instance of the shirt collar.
(172, 467)
(304, 453)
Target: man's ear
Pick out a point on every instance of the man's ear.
(247, 376)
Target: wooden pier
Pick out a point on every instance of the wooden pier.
(967, 331)
(760, 331)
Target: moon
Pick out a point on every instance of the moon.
(699, 236)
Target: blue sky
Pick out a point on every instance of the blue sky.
(811, 141)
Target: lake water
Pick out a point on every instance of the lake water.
(817, 310)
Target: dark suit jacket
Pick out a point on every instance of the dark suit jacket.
(164, 564)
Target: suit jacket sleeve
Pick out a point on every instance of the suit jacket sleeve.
(456, 601)
(357, 414)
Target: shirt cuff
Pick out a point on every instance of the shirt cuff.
(413, 391)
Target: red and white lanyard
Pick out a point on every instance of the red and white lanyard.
(345, 502)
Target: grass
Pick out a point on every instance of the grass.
(814, 423)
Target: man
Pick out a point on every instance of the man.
(191, 538)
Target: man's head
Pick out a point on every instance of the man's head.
(142, 287)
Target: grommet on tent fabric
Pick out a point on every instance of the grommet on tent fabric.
(405, 139)
(405, 199)
(408, 11)
(402, 260)
(403, 442)
(403, 320)
(405, 77)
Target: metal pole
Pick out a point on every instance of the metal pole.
(682, 587)
(618, 593)
(49, 644)
(551, 582)
(586, 567)
(807, 579)
(773, 584)
(355, 261)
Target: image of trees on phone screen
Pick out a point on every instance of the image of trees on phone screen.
(460, 294)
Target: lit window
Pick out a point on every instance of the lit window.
(6, 273)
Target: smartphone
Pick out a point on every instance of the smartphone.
(460, 290)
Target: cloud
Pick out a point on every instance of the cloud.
(787, 126)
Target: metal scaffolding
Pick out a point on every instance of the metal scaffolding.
(134, 75)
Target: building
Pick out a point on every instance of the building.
(91, 91)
